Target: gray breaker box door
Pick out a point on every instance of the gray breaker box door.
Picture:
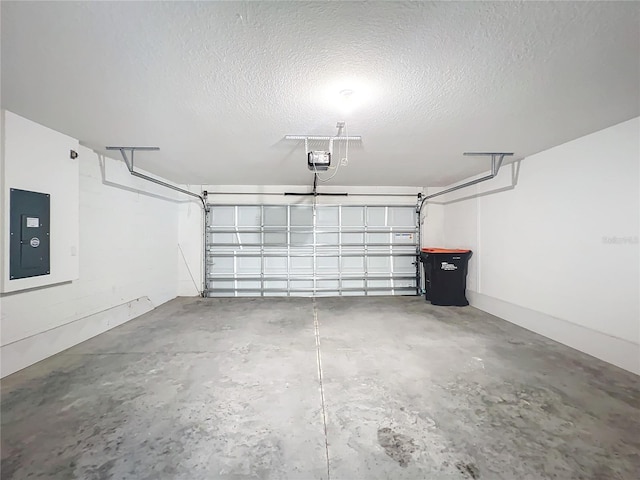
(29, 247)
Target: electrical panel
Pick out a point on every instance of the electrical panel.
(29, 242)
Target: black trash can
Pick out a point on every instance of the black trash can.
(445, 274)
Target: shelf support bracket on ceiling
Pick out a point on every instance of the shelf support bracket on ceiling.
(496, 162)
(330, 139)
(351, 138)
(130, 166)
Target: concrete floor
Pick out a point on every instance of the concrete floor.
(231, 389)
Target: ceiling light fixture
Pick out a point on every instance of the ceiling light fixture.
(347, 95)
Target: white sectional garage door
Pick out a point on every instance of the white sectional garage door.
(311, 250)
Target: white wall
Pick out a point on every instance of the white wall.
(38, 159)
(128, 236)
(190, 248)
(432, 225)
(558, 253)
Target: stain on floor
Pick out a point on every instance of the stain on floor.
(468, 470)
(396, 445)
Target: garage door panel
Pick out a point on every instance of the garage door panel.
(378, 238)
(378, 264)
(276, 238)
(380, 283)
(276, 284)
(302, 284)
(275, 216)
(404, 264)
(301, 239)
(301, 216)
(302, 265)
(222, 285)
(249, 216)
(353, 216)
(224, 216)
(398, 217)
(249, 265)
(328, 217)
(249, 284)
(247, 238)
(222, 265)
(328, 238)
(328, 264)
(219, 238)
(353, 264)
(275, 265)
(302, 250)
(328, 285)
(352, 238)
(376, 216)
(353, 284)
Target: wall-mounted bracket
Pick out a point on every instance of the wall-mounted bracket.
(129, 162)
(496, 159)
(496, 162)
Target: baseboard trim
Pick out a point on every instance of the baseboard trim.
(621, 353)
(23, 353)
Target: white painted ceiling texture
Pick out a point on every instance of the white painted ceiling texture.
(217, 85)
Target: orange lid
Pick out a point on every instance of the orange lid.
(444, 250)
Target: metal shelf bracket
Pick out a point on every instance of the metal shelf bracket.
(496, 162)
(129, 162)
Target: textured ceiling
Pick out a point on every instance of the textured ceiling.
(217, 85)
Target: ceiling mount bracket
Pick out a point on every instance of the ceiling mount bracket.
(130, 166)
(496, 159)
(342, 138)
(329, 138)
